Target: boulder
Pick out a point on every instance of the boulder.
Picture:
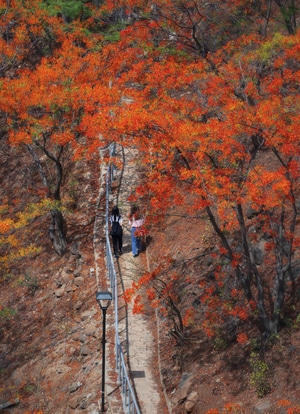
(183, 389)
(191, 401)
(263, 407)
(59, 292)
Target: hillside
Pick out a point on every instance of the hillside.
(52, 344)
(203, 98)
(216, 373)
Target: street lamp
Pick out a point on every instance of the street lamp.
(104, 299)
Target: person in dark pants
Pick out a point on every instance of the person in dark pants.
(116, 231)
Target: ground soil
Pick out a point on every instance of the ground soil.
(50, 347)
(220, 373)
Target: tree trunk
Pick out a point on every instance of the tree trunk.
(57, 232)
(289, 15)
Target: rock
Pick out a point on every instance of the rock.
(77, 306)
(74, 403)
(79, 281)
(189, 405)
(70, 288)
(183, 388)
(76, 329)
(70, 270)
(86, 401)
(84, 404)
(59, 292)
(66, 275)
(90, 330)
(193, 396)
(18, 376)
(58, 283)
(85, 350)
(263, 407)
(93, 409)
(85, 315)
(75, 250)
(191, 401)
(7, 404)
(75, 386)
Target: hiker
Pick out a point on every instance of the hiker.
(135, 221)
(116, 231)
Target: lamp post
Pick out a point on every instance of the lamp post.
(104, 299)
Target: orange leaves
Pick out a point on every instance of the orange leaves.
(138, 307)
(232, 408)
(30, 26)
(130, 292)
(288, 407)
(283, 403)
(293, 410)
(209, 328)
(50, 97)
(222, 306)
(268, 188)
(188, 317)
(20, 137)
(242, 338)
(274, 86)
(63, 138)
(151, 295)
(34, 412)
(294, 169)
(240, 312)
(5, 226)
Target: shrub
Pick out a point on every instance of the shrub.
(260, 375)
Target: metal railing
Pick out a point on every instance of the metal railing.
(130, 404)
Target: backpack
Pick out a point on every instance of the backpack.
(116, 229)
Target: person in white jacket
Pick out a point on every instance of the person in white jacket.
(136, 221)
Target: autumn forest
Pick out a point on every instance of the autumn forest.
(207, 93)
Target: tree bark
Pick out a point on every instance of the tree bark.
(57, 232)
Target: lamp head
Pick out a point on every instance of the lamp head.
(104, 299)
